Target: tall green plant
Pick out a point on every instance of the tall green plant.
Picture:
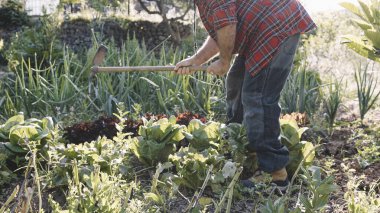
(366, 90)
(302, 91)
(50, 91)
(166, 92)
(332, 102)
(369, 23)
(63, 86)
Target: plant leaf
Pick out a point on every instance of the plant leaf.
(361, 48)
(306, 149)
(154, 197)
(14, 148)
(353, 9)
(367, 11)
(11, 122)
(374, 36)
(363, 24)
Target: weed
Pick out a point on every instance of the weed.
(359, 201)
(94, 193)
(315, 200)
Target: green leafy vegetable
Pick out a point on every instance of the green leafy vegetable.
(234, 142)
(21, 135)
(203, 135)
(192, 166)
(157, 140)
(291, 137)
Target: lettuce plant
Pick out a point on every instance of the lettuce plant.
(21, 135)
(203, 135)
(299, 150)
(234, 141)
(157, 140)
(192, 167)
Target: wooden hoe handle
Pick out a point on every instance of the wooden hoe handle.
(97, 69)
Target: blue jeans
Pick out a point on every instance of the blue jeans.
(255, 102)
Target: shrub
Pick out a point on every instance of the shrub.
(12, 15)
(37, 46)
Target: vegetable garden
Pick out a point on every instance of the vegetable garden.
(157, 141)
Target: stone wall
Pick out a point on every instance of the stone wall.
(77, 33)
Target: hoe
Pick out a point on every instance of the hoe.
(102, 51)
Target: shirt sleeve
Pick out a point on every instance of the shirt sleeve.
(224, 13)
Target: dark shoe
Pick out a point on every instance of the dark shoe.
(280, 187)
(247, 184)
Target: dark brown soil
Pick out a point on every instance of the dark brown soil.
(341, 150)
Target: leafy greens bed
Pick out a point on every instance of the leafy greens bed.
(189, 157)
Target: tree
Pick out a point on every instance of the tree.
(162, 7)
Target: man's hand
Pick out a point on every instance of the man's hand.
(219, 67)
(208, 50)
(182, 67)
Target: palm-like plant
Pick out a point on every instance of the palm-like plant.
(369, 21)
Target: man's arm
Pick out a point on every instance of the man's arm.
(224, 23)
(224, 45)
(226, 42)
(207, 51)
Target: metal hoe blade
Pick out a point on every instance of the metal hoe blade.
(98, 58)
(100, 55)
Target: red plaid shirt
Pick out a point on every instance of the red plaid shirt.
(262, 25)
